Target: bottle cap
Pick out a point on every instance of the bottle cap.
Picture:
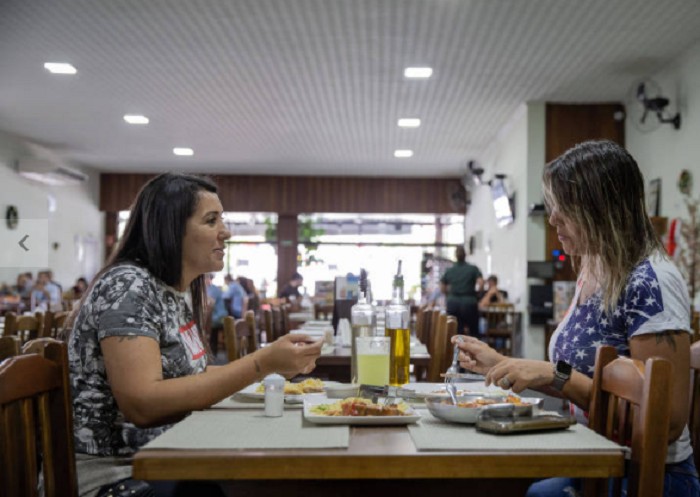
(274, 380)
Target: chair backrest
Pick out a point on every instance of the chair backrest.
(10, 345)
(631, 405)
(251, 320)
(323, 310)
(437, 338)
(286, 324)
(36, 422)
(54, 322)
(501, 322)
(238, 337)
(695, 325)
(25, 327)
(433, 322)
(422, 323)
(451, 331)
(269, 326)
(694, 419)
(276, 323)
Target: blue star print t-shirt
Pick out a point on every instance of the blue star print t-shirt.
(654, 300)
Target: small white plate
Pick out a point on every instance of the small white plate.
(251, 392)
(411, 417)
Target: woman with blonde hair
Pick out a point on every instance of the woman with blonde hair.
(628, 295)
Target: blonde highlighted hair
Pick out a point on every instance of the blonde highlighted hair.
(598, 186)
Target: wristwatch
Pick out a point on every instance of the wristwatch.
(562, 373)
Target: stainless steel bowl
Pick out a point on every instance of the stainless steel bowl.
(442, 407)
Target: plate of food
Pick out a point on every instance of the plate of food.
(292, 391)
(470, 406)
(359, 411)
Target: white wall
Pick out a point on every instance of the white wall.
(75, 220)
(517, 152)
(665, 152)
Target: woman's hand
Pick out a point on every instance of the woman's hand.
(519, 374)
(475, 355)
(290, 355)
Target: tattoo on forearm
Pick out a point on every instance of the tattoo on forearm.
(669, 338)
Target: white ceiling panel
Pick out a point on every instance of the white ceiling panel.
(308, 87)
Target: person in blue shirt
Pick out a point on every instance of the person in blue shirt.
(218, 313)
(235, 297)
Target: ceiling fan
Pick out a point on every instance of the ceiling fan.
(647, 107)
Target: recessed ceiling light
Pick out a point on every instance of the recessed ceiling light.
(183, 151)
(403, 153)
(418, 72)
(135, 119)
(409, 123)
(60, 68)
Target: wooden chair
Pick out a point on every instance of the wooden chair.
(286, 324)
(432, 321)
(276, 323)
(323, 310)
(422, 322)
(631, 405)
(501, 324)
(269, 327)
(238, 338)
(251, 320)
(25, 327)
(54, 322)
(694, 419)
(10, 346)
(36, 422)
(695, 325)
(437, 338)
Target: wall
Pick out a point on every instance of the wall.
(74, 221)
(517, 152)
(665, 152)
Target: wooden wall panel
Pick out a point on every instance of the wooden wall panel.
(301, 194)
(567, 125)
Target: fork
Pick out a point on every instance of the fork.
(454, 368)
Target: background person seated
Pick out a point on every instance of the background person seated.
(492, 294)
(46, 296)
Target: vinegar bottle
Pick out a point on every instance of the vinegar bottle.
(397, 315)
(364, 321)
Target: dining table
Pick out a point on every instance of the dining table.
(247, 453)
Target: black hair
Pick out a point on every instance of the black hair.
(154, 232)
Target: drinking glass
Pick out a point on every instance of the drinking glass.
(373, 360)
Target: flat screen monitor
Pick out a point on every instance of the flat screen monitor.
(501, 202)
(540, 269)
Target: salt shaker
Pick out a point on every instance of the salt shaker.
(274, 395)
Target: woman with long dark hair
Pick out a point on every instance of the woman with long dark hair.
(628, 295)
(138, 361)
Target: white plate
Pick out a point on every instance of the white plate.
(251, 393)
(410, 418)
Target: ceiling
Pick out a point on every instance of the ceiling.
(314, 87)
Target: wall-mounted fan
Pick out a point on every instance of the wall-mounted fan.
(646, 107)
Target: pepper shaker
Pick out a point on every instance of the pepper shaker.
(274, 395)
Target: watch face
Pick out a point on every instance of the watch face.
(563, 368)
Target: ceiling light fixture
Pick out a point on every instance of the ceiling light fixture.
(409, 123)
(183, 151)
(418, 72)
(403, 154)
(60, 68)
(135, 119)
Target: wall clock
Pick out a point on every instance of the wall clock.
(11, 217)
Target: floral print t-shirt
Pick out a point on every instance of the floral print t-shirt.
(655, 299)
(126, 301)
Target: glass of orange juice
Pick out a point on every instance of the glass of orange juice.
(373, 360)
